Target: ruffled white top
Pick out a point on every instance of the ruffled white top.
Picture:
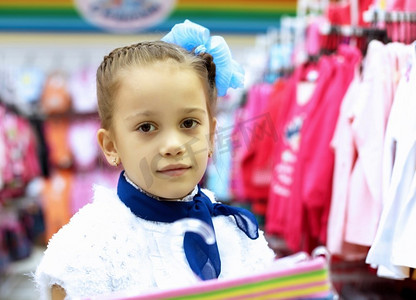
(105, 248)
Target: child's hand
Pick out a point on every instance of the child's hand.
(58, 292)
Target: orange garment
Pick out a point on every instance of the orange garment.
(55, 98)
(56, 135)
(56, 201)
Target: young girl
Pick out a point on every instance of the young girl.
(156, 103)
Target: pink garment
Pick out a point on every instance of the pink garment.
(30, 158)
(20, 161)
(345, 156)
(255, 129)
(313, 36)
(237, 144)
(302, 180)
(401, 5)
(358, 142)
(83, 90)
(82, 188)
(402, 56)
(376, 94)
(394, 245)
(400, 30)
(316, 159)
(258, 166)
(3, 149)
(289, 129)
(301, 183)
(81, 133)
(247, 119)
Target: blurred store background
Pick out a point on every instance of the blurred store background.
(49, 159)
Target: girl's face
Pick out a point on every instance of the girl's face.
(161, 128)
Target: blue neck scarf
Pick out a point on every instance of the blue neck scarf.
(203, 259)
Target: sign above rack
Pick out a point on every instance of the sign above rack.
(101, 16)
(125, 16)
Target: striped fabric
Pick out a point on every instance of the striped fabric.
(309, 279)
(234, 16)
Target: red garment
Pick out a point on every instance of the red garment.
(302, 180)
(289, 128)
(249, 119)
(339, 13)
(255, 129)
(257, 164)
(314, 172)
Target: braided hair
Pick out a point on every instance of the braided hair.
(146, 53)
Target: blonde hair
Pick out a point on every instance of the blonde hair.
(146, 53)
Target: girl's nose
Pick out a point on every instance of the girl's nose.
(172, 145)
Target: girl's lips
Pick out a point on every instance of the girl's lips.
(174, 170)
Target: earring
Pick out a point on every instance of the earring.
(115, 161)
(210, 153)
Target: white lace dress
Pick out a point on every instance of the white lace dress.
(105, 248)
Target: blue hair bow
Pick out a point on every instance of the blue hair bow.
(192, 36)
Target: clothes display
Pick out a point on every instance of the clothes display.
(340, 176)
(300, 186)
(319, 145)
(48, 155)
(392, 247)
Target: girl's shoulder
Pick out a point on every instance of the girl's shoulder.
(103, 237)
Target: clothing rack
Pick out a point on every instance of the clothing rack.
(353, 31)
(333, 35)
(376, 16)
(399, 25)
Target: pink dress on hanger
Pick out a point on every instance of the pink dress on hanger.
(345, 155)
(357, 197)
(368, 127)
(394, 245)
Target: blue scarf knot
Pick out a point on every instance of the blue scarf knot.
(203, 259)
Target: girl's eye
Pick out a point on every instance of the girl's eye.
(189, 124)
(146, 127)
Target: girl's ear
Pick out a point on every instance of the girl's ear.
(108, 146)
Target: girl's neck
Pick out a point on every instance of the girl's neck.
(188, 197)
